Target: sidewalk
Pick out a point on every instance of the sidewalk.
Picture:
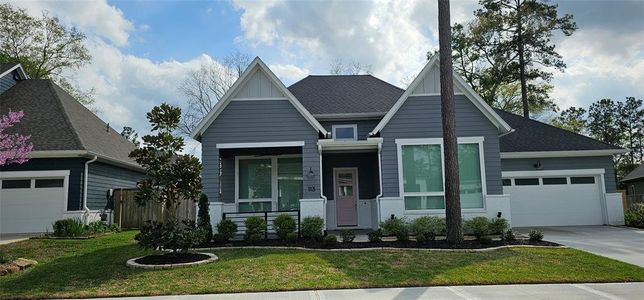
(526, 291)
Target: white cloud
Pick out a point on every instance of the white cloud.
(289, 73)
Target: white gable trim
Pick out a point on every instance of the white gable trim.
(20, 69)
(256, 65)
(458, 83)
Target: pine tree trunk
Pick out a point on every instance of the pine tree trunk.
(524, 89)
(452, 191)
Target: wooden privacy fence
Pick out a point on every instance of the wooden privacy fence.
(129, 214)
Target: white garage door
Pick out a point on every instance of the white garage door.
(30, 205)
(554, 200)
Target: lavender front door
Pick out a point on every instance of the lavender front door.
(346, 196)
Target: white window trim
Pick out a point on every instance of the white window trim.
(352, 126)
(274, 179)
(439, 141)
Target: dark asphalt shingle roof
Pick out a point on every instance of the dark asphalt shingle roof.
(638, 173)
(531, 135)
(341, 94)
(57, 121)
(6, 67)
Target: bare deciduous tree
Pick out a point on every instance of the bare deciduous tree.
(339, 67)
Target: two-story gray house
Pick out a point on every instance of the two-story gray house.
(356, 150)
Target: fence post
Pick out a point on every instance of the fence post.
(266, 222)
(299, 225)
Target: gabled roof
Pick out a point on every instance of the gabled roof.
(534, 136)
(7, 68)
(459, 84)
(326, 95)
(59, 124)
(257, 65)
(638, 173)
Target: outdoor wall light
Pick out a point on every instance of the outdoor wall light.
(538, 165)
(310, 174)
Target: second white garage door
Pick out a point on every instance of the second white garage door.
(554, 200)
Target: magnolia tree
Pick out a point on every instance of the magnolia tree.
(14, 148)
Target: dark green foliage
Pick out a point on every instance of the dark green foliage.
(255, 228)
(347, 236)
(170, 235)
(509, 235)
(5, 258)
(485, 240)
(634, 215)
(226, 230)
(535, 235)
(397, 227)
(203, 217)
(498, 226)
(477, 227)
(68, 228)
(312, 228)
(114, 228)
(291, 237)
(96, 227)
(284, 224)
(426, 228)
(375, 236)
(330, 240)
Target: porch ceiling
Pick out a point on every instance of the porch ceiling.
(370, 143)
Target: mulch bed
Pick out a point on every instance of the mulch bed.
(438, 244)
(171, 258)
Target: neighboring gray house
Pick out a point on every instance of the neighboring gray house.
(356, 150)
(77, 158)
(634, 182)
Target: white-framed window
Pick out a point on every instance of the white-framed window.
(268, 183)
(345, 132)
(421, 173)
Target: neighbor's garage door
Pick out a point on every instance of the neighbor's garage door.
(555, 200)
(30, 205)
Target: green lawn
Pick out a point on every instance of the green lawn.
(96, 267)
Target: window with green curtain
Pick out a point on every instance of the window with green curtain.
(423, 176)
(469, 168)
(289, 183)
(255, 179)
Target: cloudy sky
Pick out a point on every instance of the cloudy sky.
(142, 49)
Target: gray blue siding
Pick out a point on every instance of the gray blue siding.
(253, 122)
(566, 163)
(6, 82)
(102, 177)
(364, 126)
(420, 117)
(367, 164)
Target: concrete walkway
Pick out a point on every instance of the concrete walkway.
(536, 291)
(620, 243)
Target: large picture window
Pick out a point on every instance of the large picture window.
(421, 166)
(269, 183)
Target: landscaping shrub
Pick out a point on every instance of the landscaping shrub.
(397, 227)
(477, 227)
(68, 228)
(330, 240)
(347, 236)
(312, 228)
(5, 258)
(485, 240)
(203, 217)
(255, 228)
(634, 215)
(498, 226)
(426, 228)
(171, 235)
(114, 228)
(509, 236)
(291, 237)
(535, 235)
(284, 224)
(96, 227)
(375, 236)
(226, 230)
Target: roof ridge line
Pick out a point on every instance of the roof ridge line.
(50, 85)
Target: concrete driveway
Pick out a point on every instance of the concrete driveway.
(621, 243)
(14, 237)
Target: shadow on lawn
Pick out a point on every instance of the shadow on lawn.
(73, 273)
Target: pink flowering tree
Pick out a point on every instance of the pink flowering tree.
(14, 148)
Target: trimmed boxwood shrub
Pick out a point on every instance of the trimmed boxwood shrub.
(312, 228)
(535, 235)
(375, 236)
(426, 228)
(397, 227)
(330, 240)
(498, 226)
(226, 230)
(477, 227)
(284, 224)
(291, 237)
(509, 236)
(347, 236)
(171, 235)
(634, 215)
(255, 228)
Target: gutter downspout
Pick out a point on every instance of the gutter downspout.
(380, 189)
(85, 208)
(321, 185)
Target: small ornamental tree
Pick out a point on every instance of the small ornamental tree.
(15, 147)
(203, 216)
(171, 177)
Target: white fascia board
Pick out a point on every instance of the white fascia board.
(260, 145)
(349, 116)
(33, 174)
(541, 173)
(572, 153)
(20, 69)
(85, 154)
(255, 65)
(372, 143)
(460, 83)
